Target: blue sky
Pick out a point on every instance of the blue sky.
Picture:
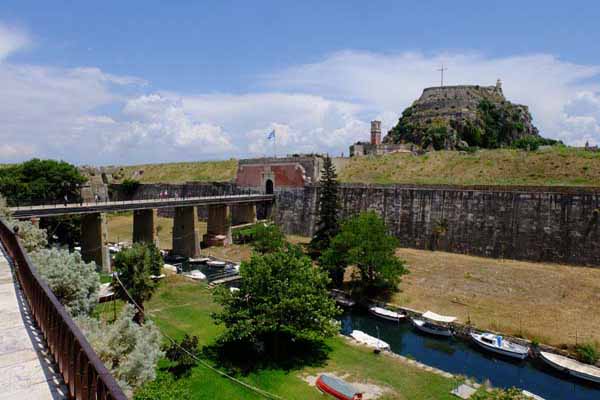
(130, 82)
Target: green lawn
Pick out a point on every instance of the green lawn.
(181, 307)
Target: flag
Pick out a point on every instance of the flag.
(271, 135)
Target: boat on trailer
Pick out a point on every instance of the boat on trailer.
(499, 345)
(337, 388)
(386, 314)
(571, 366)
(434, 324)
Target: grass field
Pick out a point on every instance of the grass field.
(552, 166)
(181, 307)
(554, 304)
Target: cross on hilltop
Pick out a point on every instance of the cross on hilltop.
(442, 69)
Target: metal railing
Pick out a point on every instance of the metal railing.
(83, 372)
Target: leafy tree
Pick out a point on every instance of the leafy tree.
(134, 266)
(74, 282)
(130, 351)
(327, 223)
(40, 181)
(183, 355)
(364, 242)
(282, 298)
(268, 238)
(4, 210)
(164, 387)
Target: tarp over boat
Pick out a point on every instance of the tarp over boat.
(438, 318)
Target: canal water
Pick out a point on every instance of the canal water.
(460, 357)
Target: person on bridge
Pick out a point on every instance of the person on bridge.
(66, 200)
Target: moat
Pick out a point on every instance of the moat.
(462, 358)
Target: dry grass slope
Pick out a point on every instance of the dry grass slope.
(556, 166)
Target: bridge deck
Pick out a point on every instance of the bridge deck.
(114, 206)
(26, 369)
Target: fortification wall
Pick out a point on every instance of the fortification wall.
(540, 224)
(559, 224)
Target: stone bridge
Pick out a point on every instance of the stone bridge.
(186, 237)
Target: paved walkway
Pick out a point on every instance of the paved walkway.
(26, 368)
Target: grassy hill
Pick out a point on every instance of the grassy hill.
(206, 171)
(554, 166)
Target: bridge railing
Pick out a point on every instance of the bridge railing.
(82, 370)
(166, 196)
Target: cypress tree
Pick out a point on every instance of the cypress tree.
(327, 223)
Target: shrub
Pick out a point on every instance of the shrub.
(74, 282)
(183, 355)
(128, 350)
(32, 237)
(500, 394)
(268, 238)
(588, 353)
(164, 387)
(130, 186)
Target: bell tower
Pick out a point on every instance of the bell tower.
(375, 132)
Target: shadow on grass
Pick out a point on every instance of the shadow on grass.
(283, 353)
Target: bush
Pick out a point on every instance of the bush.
(130, 186)
(500, 394)
(164, 387)
(74, 282)
(183, 355)
(268, 238)
(128, 350)
(588, 353)
(32, 237)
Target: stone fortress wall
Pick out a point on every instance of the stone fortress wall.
(541, 224)
(552, 224)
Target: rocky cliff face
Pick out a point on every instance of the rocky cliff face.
(454, 117)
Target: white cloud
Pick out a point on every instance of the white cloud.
(384, 84)
(86, 115)
(11, 40)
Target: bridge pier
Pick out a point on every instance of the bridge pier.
(94, 236)
(144, 226)
(218, 228)
(244, 213)
(186, 238)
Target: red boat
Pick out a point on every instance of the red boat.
(338, 388)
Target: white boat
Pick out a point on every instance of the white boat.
(432, 323)
(200, 260)
(196, 275)
(386, 314)
(571, 366)
(342, 298)
(531, 395)
(216, 263)
(498, 344)
(369, 340)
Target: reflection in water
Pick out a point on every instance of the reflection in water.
(460, 357)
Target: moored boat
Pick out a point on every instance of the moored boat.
(433, 324)
(571, 366)
(337, 388)
(369, 340)
(200, 260)
(216, 263)
(342, 298)
(497, 344)
(386, 314)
